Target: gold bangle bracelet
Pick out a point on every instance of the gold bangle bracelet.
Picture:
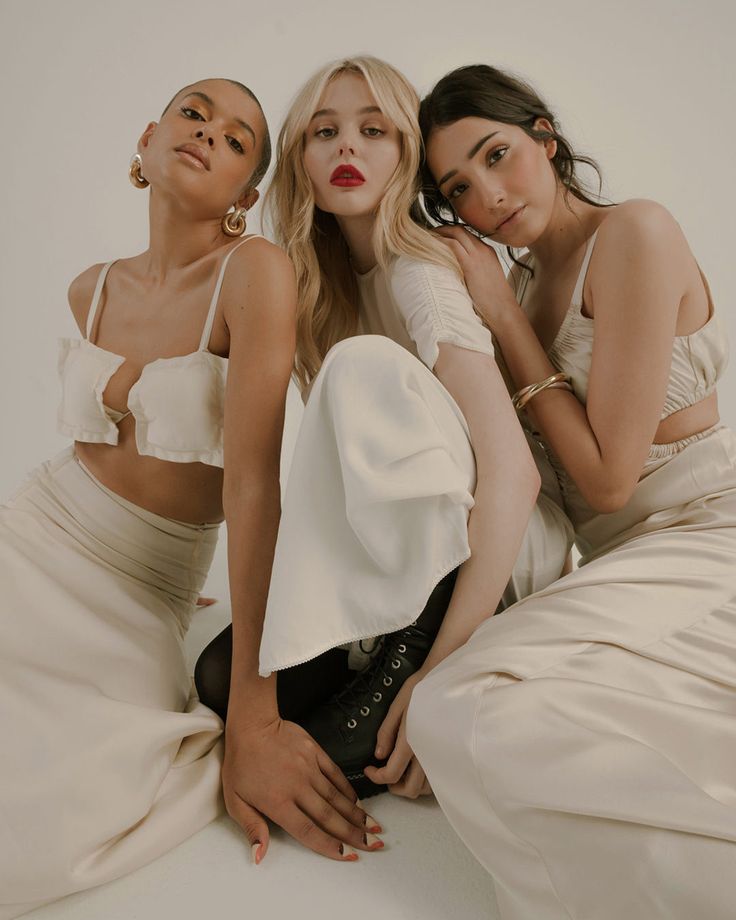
(559, 380)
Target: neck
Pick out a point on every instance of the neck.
(177, 239)
(572, 223)
(358, 233)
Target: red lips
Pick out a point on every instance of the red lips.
(194, 150)
(347, 176)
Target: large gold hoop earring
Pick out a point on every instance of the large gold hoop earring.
(134, 173)
(233, 223)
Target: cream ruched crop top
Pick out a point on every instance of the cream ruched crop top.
(418, 305)
(177, 403)
(698, 359)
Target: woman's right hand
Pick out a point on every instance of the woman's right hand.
(278, 771)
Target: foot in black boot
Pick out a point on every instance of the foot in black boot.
(346, 725)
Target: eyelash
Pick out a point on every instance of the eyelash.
(233, 142)
(320, 132)
(490, 161)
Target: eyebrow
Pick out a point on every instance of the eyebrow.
(471, 153)
(369, 109)
(211, 102)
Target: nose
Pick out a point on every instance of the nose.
(346, 146)
(493, 196)
(210, 139)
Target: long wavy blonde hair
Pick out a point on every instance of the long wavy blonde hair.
(327, 310)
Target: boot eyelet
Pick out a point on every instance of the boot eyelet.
(352, 723)
(365, 711)
(387, 681)
(395, 664)
(377, 696)
(402, 649)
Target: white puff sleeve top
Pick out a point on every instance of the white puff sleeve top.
(418, 305)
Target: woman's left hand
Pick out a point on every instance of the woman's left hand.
(483, 274)
(402, 773)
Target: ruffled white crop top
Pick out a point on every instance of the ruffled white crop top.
(177, 403)
(418, 305)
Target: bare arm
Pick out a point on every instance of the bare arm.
(271, 767)
(506, 489)
(260, 320)
(636, 280)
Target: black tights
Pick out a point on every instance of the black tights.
(299, 690)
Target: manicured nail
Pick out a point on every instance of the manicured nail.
(370, 840)
(348, 853)
(254, 852)
(372, 825)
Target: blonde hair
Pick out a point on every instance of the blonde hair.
(327, 309)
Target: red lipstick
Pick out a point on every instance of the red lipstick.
(346, 176)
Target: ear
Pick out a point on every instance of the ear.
(248, 198)
(550, 145)
(146, 136)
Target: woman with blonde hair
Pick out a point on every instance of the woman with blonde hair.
(411, 484)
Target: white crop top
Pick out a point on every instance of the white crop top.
(418, 305)
(178, 403)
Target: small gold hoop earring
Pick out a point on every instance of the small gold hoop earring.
(134, 173)
(233, 223)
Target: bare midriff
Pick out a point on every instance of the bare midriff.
(690, 421)
(190, 492)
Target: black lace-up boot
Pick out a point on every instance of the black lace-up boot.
(346, 725)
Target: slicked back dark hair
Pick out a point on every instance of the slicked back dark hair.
(481, 91)
(262, 168)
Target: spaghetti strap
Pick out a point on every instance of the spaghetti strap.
(96, 297)
(577, 296)
(207, 331)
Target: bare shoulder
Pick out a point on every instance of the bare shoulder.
(259, 278)
(259, 259)
(638, 223)
(80, 293)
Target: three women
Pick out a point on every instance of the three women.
(398, 474)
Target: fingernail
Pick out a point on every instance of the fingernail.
(348, 853)
(379, 752)
(254, 852)
(372, 825)
(370, 840)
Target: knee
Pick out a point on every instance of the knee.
(360, 355)
(439, 716)
(212, 673)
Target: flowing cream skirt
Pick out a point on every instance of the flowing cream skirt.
(583, 743)
(108, 759)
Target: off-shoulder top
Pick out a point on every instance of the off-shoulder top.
(177, 403)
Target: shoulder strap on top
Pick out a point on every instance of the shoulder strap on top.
(577, 296)
(207, 331)
(524, 276)
(96, 297)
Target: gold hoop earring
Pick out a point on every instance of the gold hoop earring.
(134, 173)
(233, 223)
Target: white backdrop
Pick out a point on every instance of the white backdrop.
(644, 86)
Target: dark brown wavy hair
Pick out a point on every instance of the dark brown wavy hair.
(480, 91)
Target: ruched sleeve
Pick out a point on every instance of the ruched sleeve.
(436, 307)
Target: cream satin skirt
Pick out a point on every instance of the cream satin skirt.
(108, 759)
(583, 743)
